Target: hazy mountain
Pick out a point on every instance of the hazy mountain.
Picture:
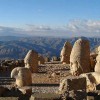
(17, 47)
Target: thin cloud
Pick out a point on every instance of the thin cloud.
(73, 28)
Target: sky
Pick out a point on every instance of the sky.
(50, 17)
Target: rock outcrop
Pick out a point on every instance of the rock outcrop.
(80, 57)
(65, 53)
(31, 61)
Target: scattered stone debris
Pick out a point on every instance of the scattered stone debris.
(42, 79)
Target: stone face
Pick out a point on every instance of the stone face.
(80, 57)
(31, 61)
(97, 66)
(65, 53)
(22, 75)
(41, 59)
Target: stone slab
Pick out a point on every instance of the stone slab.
(45, 96)
(9, 98)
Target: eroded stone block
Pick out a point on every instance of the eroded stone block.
(45, 96)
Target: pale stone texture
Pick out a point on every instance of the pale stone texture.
(22, 75)
(72, 83)
(45, 96)
(92, 79)
(97, 66)
(31, 61)
(80, 57)
(65, 53)
(73, 87)
(9, 98)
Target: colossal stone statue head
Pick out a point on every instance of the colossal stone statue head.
(80, 57)
(31, 61)
(65, 53)
(97, 66)
(22, 76)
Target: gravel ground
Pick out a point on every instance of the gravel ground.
(44, 89)
(45, 81)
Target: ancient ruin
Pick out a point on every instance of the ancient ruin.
(92, 78)
(31, 61)
(80, 57)
(44, 79)
(65, 53)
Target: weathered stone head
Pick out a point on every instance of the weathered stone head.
(80, 57)
(97, 66)
(22, 75)
(65, 53)
(31, 61)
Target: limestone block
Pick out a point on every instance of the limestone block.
(92, 79)
(45, 96)
(72, 83)
(9, 98)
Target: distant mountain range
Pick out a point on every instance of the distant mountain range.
(13, 47)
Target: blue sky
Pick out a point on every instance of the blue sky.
(50, 15)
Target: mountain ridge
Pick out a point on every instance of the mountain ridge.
(17, 47)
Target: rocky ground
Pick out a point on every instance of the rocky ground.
(45, 81)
